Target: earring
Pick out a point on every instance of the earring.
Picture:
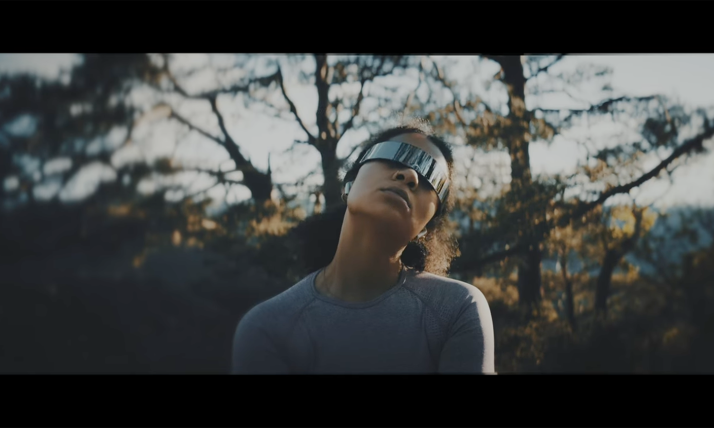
(348, 185)
(421, 234)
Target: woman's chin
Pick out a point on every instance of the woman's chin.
(386, 213)
(391, 221)
(384, 222)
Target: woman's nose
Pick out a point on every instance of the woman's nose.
(409, 176)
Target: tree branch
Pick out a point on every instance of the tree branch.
(218, 174)
(354, 149)
(234, 89)
(221, 122)
(336, 106)
(172, 78)
(229, 143)
(196, 128)
(293, 109)
(557, 59)
(262, 81)
(439, 74)
(602, 107)
(301, 181)
(194, 194)
(219, 180)
(412, 94)
(693, 144)
(355, 109)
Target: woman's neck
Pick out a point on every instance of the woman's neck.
(364, 267)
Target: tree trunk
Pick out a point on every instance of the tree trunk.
(323, 101)
(326, 141)
(612, 258)
(529, 275)
(331, 188)
(529, 278)
(569, 300)
(260, 184)
(5, 168)
(604, 279)
(317, 208)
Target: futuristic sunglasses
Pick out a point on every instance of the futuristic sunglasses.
(413, 157)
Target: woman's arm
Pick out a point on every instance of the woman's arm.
(469, 347)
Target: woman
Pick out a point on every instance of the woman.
(376, 300)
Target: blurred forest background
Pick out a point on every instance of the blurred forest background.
(147, 200)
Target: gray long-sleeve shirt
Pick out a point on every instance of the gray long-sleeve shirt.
(424, 324)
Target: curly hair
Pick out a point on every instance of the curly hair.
(319, 234)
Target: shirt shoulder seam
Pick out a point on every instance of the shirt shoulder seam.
(299, 315)
(442, 323)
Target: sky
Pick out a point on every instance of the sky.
(686, 77)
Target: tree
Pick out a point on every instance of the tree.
(343, 85)
(529, 203)
(258, 182)
(50, 130)
(564, 242)
(617, 239)
(677, 253)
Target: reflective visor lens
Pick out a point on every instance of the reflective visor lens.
(416, 159)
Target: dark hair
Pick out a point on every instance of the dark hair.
(319, 234)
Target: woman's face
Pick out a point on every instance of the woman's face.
(373, 192)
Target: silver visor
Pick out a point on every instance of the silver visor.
(416, 159)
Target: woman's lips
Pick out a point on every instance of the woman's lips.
(399, 194)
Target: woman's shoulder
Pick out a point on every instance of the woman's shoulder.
(285, 306)
(443, 293)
